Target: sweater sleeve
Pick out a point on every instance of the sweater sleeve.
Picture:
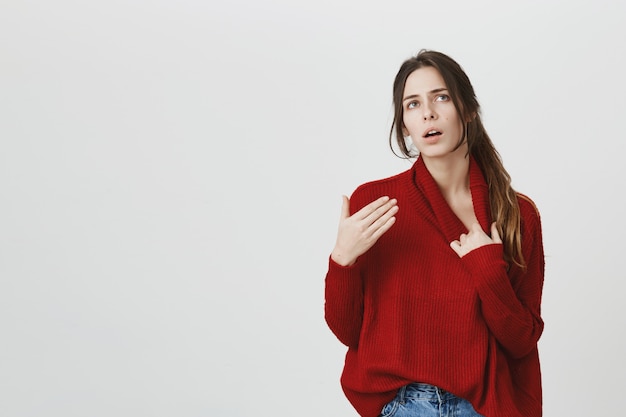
(343, 307)
(512, 307)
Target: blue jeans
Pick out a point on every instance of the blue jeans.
(424, 400)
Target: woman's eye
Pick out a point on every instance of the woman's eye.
(412, 105)
(443, 97)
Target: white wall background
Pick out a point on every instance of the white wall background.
(170, 182)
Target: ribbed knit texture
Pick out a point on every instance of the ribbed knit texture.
(410, 310)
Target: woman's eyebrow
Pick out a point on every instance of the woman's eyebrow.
(431, 92)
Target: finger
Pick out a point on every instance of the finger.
(382, 214)
(462, 239)
(345, 207)
(383, 228)
(456, 246)
(383, 220)
(495, 236)
(371, 208)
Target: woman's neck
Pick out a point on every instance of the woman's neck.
(450, 173)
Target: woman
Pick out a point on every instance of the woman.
(435, 281)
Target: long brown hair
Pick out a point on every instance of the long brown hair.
(503, 198)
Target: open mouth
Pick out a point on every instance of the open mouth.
(432, 133)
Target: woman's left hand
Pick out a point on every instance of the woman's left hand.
(474, 239)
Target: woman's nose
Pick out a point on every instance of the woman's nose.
(428, 113)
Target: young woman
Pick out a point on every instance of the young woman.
(435, 281)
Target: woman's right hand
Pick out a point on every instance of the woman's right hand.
(359, 232)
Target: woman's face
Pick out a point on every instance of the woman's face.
(429, 115)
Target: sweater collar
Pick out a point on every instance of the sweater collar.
(429, 197)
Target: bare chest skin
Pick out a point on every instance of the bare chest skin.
(463, 207)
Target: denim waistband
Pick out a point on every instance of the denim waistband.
(422, 391)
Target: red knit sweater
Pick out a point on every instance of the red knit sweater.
(410, 310)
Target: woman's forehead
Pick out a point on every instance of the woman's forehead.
(423, 81)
